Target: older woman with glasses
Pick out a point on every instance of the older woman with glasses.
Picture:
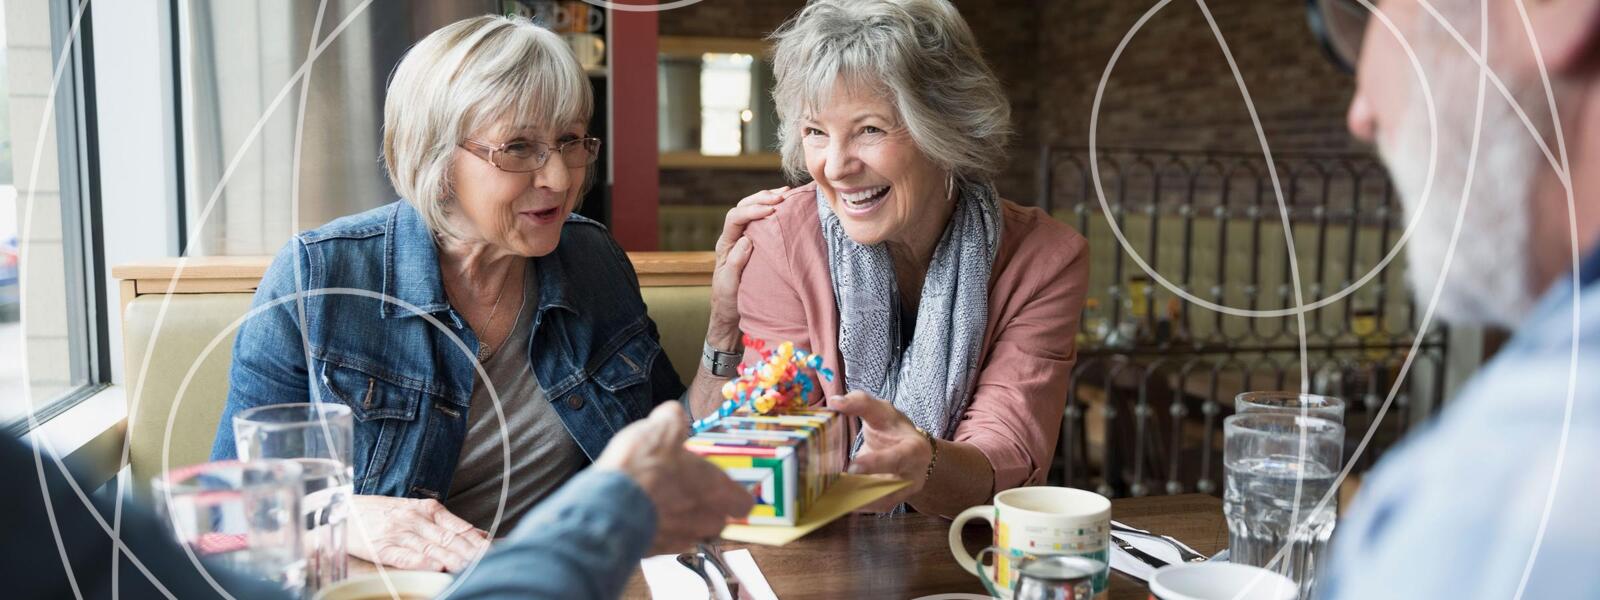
(489, 341)
(948, 311)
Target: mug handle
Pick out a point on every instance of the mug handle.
(983, 574)
(967, 561)
(560, 17)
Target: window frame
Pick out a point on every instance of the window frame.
(83, 249)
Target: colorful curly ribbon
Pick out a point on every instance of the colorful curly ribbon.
(781, 379)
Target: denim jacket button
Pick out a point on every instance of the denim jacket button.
(574, 401)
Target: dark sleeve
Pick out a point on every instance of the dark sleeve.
(664, 382)
(582, 542)
(52, 534)
(269, 360)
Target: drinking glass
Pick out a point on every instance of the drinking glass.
(1310, 405)
(239, 515)
(1279, 467)
(317, 436)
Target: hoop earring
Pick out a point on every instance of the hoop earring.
(950, 185)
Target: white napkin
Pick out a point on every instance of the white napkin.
(1148, 542)
(669, 580)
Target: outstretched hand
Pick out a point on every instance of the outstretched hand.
(891, 445)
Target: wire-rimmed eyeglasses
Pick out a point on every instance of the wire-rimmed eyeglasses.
(522, 156)
(1340, 26)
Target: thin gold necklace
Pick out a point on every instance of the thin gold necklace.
(484, 349)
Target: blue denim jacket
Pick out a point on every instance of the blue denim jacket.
(378, 337)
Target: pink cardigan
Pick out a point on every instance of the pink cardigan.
(1036, 293)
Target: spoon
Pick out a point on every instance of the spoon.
(697, 563)
(730, 580)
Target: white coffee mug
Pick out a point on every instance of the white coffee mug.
(406, 584)
(1220, 581)
(1039, 521)
(588, 48)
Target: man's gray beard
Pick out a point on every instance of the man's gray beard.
(1488, 282)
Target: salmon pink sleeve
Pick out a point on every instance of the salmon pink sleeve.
(1015, 415)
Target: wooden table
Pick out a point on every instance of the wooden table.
(907, 556)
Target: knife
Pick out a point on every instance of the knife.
(1183, 551)
(1140, 555)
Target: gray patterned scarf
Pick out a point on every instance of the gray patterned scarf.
(932, 382)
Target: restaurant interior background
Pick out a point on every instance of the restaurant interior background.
(159, 102)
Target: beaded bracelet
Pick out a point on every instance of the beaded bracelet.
(932, 460)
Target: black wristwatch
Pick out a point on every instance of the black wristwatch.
(721, 364)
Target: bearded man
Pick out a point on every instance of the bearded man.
(1495, 498)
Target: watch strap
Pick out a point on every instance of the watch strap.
(719, 363)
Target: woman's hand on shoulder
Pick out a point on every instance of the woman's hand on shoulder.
(410, 533)
(733, 252)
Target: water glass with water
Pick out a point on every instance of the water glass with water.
(318, 437)
(1309, 405)
(238, 515)
(1280, 468)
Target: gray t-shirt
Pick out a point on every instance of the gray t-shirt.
(543, 453)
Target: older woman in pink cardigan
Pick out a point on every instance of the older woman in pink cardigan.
(947, 311)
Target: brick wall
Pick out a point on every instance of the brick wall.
(728, 18)
(1009, 32)
(1172, 88)
(714, 186)
(1004, 28)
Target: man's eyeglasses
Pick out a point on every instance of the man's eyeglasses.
(1339, 26)
(519, 156)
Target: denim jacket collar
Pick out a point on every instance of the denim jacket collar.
(553, 290)
(411, 269)
(410, 265)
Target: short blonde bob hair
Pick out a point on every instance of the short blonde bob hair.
(464, 77)
(919, 55)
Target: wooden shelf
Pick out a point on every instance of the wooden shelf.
(695, 160)
(207, 268)
(241, 274)
(667, 269)
(678, 45)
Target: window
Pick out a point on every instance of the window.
(714, 104)
(52, 320)
(724, 103)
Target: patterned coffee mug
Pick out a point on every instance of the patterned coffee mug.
(1038, 521)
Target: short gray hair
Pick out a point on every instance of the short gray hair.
(466, 76)
(919, 54)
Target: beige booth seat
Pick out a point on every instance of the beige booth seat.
(178, 343)
(684, 228)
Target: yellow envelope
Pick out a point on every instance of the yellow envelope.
(848, 493)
